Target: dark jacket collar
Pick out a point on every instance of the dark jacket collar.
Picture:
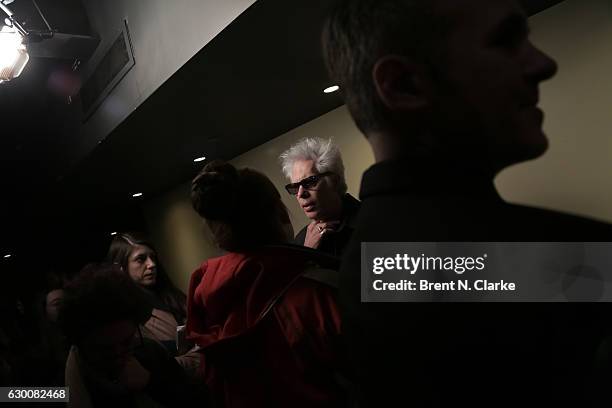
(428, 175)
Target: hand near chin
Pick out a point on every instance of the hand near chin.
(134, 376)
(317, 230)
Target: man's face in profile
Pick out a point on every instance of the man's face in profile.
(487, 92)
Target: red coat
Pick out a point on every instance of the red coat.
(269, 335)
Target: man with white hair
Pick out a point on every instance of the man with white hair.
(316, 171)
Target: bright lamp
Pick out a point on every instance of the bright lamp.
(13, 54)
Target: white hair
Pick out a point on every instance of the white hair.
(323, 152)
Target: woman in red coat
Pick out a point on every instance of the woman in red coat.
(265, 313)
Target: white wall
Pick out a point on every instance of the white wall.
(181, 237)
(165, 35)
(573, 176)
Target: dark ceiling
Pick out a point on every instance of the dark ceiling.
(66, 16)
(259, 78)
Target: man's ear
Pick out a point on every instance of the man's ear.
(401, 84)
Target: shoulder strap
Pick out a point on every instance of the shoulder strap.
(325, 276)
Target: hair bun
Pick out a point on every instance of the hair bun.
(214, 191)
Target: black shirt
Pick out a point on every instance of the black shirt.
(466, 354)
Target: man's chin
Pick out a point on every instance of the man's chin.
(534, 140)
(537, 144)
(530, 147)
(312, 215)
(526, 152)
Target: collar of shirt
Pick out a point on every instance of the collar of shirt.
(428, 175)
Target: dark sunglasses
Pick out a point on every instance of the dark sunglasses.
(308, 183)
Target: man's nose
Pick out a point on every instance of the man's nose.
(302, 192)
(541, 66)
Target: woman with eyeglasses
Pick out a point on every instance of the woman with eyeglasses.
(264, 314)
(138, 259)
(110, 363)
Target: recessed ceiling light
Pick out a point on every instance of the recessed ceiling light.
(7, 256)
(113, 233)
(331, 89)
(137, 195)
(199, 159)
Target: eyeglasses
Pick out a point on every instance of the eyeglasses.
(308, 183)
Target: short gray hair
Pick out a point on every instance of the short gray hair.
(323, 152)
(357, 33)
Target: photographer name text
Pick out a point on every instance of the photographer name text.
(424, 285)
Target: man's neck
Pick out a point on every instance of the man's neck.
(389, 146)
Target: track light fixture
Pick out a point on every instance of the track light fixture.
(13, 42)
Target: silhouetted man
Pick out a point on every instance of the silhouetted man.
(446, 92)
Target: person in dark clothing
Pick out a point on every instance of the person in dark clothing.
(111, 363)
(316, 171)
(446, 93)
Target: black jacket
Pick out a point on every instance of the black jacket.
(466, 354)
